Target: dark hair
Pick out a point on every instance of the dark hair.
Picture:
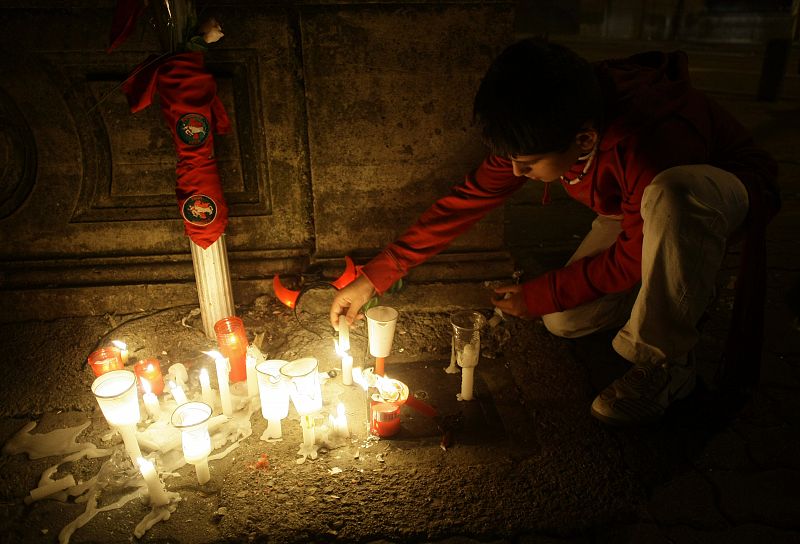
(535, 97)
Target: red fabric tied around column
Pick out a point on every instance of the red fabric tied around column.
(194, 112)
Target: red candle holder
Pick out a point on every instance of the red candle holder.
(150, 370)
(232, 342)
(105, 360)
(385, 419)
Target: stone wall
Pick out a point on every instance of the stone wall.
(349, 119)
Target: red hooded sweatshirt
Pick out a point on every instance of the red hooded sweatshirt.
(656, 120)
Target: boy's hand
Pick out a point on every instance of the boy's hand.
(350, 299)
(510, 300)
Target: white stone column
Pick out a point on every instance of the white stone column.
(213, 283)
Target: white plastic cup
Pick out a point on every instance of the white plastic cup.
(381, 322)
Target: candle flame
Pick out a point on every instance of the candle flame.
(120, 344)
(203, 374)
(340, 410)
(214, 354)
(358, 377)
(144, 463)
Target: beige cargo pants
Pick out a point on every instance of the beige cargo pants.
(689, 213)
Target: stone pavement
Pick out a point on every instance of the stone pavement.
(551, 474)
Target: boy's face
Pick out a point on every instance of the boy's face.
(549, 167)
(545, 167)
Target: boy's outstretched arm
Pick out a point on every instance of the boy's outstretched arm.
(350, 299)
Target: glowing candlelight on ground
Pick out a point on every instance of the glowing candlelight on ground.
(158, 495)
(151, 403)
(252, 377)
(115, 392)
(274, 396)
(222, 381)
(123, 350)
(150, 370)
(205, 387)
(232, 341)
(177, 393)
(192, 420)
(340, 421)
(105, 360)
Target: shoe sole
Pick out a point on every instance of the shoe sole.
(680, 394)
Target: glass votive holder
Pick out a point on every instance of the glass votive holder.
(384, 419)
(467, 326)
(304, 386)
(274, 395)
(105, 360)
(115, 392)
(150, 370)
(191, 419)
(232, 342)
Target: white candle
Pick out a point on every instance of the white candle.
(467, 379)
(205, 387)
(344, 334)
(128, 433)
(252, 377)
(123, 350)
(151, 403)
(158, 495)
(273, 430)
(347, 369)
(223, 367)
(309, 436)
(52, 488)
(177, 393)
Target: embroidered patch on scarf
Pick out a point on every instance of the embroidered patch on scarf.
(192, 129)
(200, 210)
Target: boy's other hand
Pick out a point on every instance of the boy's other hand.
(510, 300)
(350, 299)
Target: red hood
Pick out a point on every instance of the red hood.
(641, 90)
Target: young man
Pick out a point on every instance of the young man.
(672, 178)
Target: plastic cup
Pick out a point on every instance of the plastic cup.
(381, 322)
(304, 387)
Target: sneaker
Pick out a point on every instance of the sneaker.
(643, 393)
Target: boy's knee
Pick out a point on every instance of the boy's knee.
(669, 189)
(558, 324)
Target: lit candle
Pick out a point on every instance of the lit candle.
(177, 393)
(150, 370)
(252, 377)
(347, 369)
(123, 350)
(192, 420)
(222, 381)
(105, 360)
(232, 341)
(344, 334)
(158, 495)
(341, 421)
(151, 403)
(205, 387)
(274, 396)
(309, 436)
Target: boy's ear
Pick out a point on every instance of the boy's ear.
(586, 139)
